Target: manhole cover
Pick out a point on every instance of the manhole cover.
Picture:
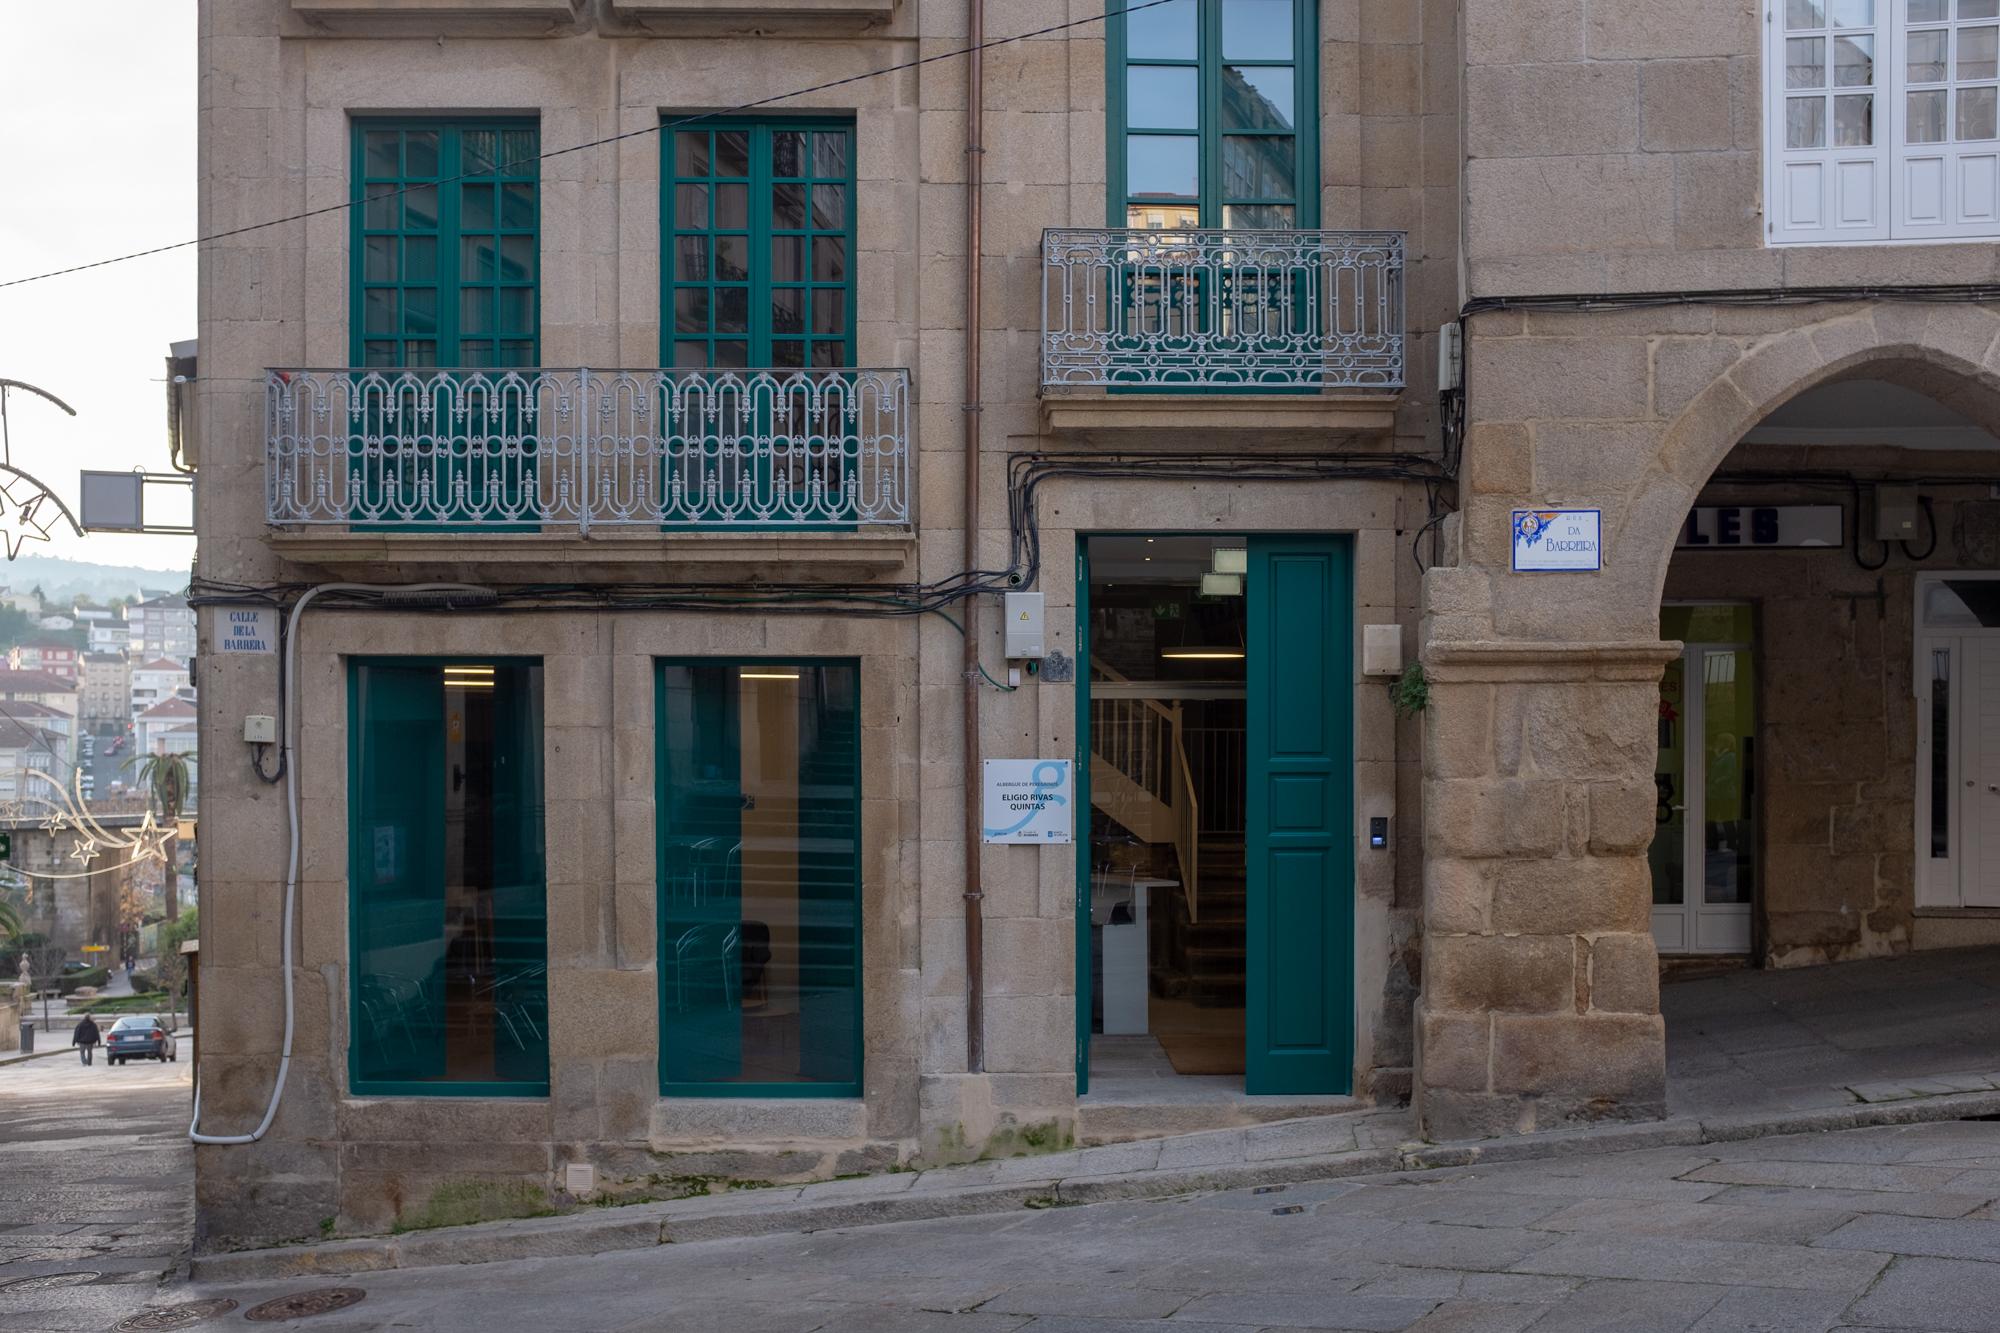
(174, 1316)
(304, 1303)
(46, 1280)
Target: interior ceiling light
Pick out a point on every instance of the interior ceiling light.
(769, 675)
(1202, 654)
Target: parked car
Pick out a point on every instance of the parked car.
(138, 1036)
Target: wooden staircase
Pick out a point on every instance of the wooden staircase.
(1139, 776)
(1205, 958)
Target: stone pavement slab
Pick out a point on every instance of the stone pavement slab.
(96, 1176)
(1596, 1251)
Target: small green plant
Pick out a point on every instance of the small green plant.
(1411, 692)
(326, 1228)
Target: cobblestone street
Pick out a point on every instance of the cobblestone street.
(96, 1179)
(1889, 1228)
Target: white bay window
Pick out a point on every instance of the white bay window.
(1883, 120)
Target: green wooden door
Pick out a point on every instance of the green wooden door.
(1300, 841)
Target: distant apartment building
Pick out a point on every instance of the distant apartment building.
(110, 635)
(161, 626)
(25, 747)
(107, 687)
(39, 687)
(54, 656)
(29, 603)
(167, 726)
(157, 680)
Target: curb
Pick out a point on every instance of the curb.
(880, 1200)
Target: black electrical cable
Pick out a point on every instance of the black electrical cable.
(1855, 545)
(1930, 516)
(1938, 293)
(1027, 473)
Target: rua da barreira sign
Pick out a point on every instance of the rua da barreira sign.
(1567, 540)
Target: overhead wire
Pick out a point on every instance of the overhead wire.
(662, 127)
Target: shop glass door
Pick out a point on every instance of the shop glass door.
(1705, 855)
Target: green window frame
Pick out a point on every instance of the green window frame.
(1199, 92)
(446, 272)
(447, 878)
(758, 263)
(758, 806)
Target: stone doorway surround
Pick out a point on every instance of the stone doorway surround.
(1539, 1003)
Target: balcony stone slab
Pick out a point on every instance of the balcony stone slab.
(460, 16)
(611, 555)
(1196, 417)
(788, 14)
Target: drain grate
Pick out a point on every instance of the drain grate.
(174, 1316)
(303, 1304)
(43, 1281)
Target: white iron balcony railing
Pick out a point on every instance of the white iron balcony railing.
(574, 449)
(1192, 310)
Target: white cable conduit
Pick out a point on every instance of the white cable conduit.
(290, 704)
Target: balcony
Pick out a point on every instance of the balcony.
(569, 455)
(1307, 324)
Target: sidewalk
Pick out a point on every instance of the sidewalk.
(1288, 1152)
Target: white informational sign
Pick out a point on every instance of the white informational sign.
(1766, 527)
(247, 629)
(1028, 800)
(1558, 539)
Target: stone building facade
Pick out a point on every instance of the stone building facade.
(1657, 167)
(1283, 893)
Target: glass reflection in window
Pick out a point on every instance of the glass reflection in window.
(447, 878)
(758, 810)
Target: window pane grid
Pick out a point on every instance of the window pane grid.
(446, 270)
(1230, 152)
(761, 246)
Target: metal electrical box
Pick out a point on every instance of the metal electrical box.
(1024, 625)
(1895, 513)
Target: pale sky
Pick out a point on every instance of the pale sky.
(97, 157)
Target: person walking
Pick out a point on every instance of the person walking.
(85, 1038)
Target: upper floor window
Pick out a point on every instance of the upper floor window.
(445, 243)
(1213, 115)
(760, 245)
(1883, 120)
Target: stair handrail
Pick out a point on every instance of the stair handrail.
(1179, 796)
(1187, 822)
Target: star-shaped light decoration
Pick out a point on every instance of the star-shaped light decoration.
(83, 850)
(20, 515)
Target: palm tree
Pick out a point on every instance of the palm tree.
(166, 777)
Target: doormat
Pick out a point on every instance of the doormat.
(1203, 1052)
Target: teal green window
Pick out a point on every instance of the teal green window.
(759, 264)
(759, 817)
(445, 269)
(1213, 114)
(447, 893)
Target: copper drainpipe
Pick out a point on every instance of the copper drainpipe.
(975, 179)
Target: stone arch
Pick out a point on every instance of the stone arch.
(1949, 352)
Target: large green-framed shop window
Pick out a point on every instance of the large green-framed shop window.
(759, 816)
(1214, 115)
(445, 271)
(759, 267)
(447, 895)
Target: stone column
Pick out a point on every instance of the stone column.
(1539, 1005)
